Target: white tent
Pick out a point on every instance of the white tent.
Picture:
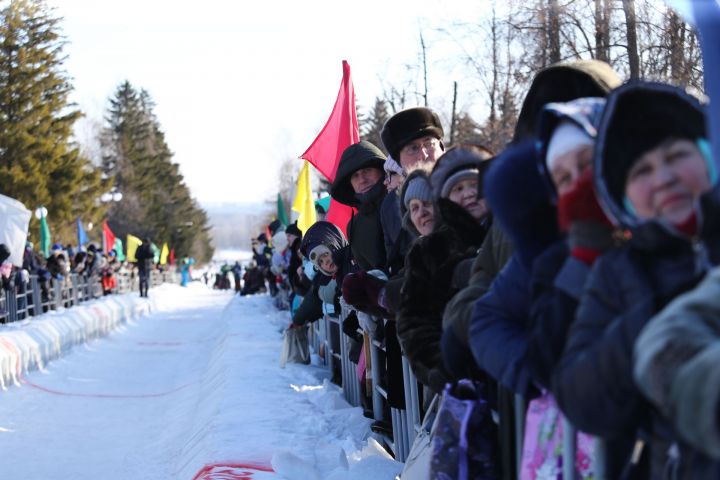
(14, 222)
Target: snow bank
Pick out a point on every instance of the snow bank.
(293, 420)
(30, 344)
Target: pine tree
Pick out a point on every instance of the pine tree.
(373, 123)
(39, 163)
(156, 202)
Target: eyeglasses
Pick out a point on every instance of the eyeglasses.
(415, 148)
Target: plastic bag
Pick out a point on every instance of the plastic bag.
(295, 347)
(464, 440)
(542, 447)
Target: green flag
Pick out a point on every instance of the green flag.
(119, 250)
(44, 236)
(156, 253)
(281, 215)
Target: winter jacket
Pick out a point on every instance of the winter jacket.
(429, 269)
(676, 367)
(397, 240)
(498, 326)
(494, 253)
(593, 381)
(324, 286)
(364, 229)
(144, 256)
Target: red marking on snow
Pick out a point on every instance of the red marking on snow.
(105, 395)
(231, 471)
(161, 344)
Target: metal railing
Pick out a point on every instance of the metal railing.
(406, 423)
(36, 296)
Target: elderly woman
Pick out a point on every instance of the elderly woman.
(461, 220)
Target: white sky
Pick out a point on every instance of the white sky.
(241, 86)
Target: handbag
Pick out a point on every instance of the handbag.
(542, 457)
(295, 346)
(464, 436)
(417, 464)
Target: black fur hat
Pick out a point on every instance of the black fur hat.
(408, 125)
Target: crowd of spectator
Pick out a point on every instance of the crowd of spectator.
(573, 273)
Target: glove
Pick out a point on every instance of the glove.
(361, 289)
(581, 216)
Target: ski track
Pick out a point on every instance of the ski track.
(193, 390)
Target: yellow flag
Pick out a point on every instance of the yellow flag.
(132, 245)
(304, 203)
(164, 254)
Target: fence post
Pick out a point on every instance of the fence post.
(569, 449)
(11, 305)
(520, 408)
(36, 295)
(58, 300)
(377, 399)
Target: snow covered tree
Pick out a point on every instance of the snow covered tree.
(155, 202)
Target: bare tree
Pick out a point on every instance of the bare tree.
(632, 45)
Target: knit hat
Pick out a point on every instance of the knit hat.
(567, 137)
(457, 160)
(417, 188)
(391, 166)
(408, 125)
(584, 113)
(460, 175)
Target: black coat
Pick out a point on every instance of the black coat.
(429, 270)
(365, 231)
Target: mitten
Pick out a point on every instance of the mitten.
(581, 216)
(361, 289)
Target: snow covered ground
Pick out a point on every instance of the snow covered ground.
(191, 390)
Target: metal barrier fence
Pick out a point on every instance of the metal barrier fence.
(326, 335)
(36, 296)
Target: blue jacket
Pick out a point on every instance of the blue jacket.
(498, 337)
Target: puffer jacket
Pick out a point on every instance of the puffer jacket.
(593, 381)
(498, 326)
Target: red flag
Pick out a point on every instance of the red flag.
(340, 131)
(171, 257)
(108, 236)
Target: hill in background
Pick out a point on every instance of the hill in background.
(232, 225)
